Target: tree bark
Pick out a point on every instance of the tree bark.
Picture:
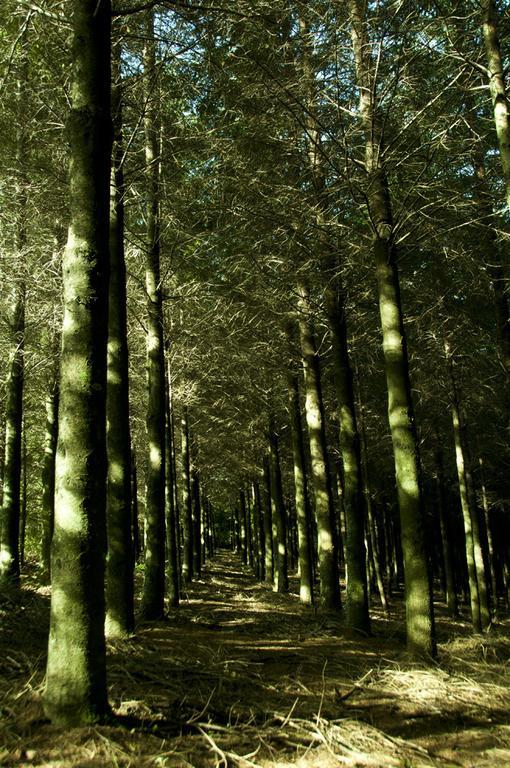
(303, 510)
(324, 514)
(418, 586)
(120, 619)
(497, 88)
(76, 692)
(48, 469)
(278, 514)
(171, 516)
(153, 596)
(10, 512)
(187, 554)
(353, 500)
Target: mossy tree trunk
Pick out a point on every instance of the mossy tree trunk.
(324, 513)
(76, 692)
(154, 577)
(418, 586)
(120, 620)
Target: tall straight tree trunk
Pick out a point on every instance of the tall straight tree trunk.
(268, 523)
(154, 578)
(480, 613)
(303, 510)
(261, 539)
(10, 512)
(418, 586)
(135, 523)
(120, 619)
(490, 540)
(76, 692)
(243, 528)
(196, 515)
(353, 500)
(324, 514)
(23, 513)
(497, 88)
(171, 516)
(278, 514)
(48, 470)
(451, 588)
(187, 521)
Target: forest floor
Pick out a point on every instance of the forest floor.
(241, 676)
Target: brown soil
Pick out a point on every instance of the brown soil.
(241, 676)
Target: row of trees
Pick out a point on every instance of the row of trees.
(254, 192)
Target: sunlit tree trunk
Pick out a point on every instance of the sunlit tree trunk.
(327, 550)
(278, 514)
(480, 613)
(303, 511)
(497, 88)
(154, 576)
(76, 692)
(418, 587)
(120, 619)
(243, 528)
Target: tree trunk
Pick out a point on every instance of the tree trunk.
(480, 614)
(353, 500)
(303, 511)
(48, 468)
(419, 605)
(268, 524)
(76, 692)
(490, 540)
(153, 597)
(171, 521)
(10, 512)
(497, 88)
(327, 550)
(451, 589)
(196, 515)
(187, 554)
(120, 620)
(278, 514)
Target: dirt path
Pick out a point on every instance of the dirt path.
(242, 676)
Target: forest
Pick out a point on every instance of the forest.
(255, 383)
